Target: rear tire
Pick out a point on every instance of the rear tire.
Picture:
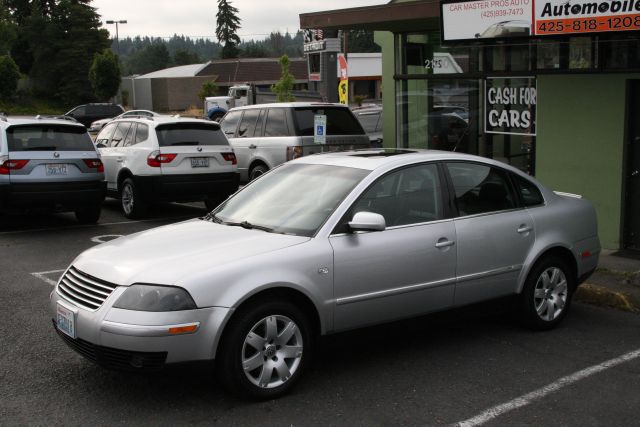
(256, 171)
(132, 204)
(547, 292)
(89, 215)
(264, 350)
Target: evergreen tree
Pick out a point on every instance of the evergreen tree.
(227, 25)
(283, 88)
(104, 75)
(9, 76)
(184, 57)
(8, 29)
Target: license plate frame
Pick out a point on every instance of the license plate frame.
(56, 169)
(199, 162)
(66, 320)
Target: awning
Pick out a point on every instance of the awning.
(395, 17)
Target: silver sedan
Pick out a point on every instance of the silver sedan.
(320, 245)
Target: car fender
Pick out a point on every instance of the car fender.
(540, 247)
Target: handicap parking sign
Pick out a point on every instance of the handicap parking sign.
(319, 129)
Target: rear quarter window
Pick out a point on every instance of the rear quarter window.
(340, 121)
(48, 138)
(187, 134)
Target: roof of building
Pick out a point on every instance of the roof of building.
(255, 70)
(174, 72)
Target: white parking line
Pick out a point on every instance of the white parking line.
(528, 398)
(105, 238)
(42, 275)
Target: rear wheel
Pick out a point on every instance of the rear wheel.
(88, 215)
(265, 350)
(546, 296)
(256, 171)
(132, 204)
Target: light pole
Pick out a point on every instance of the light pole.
(117, 38)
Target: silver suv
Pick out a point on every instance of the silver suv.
(49, 164)
(170, 159)
(264, 136)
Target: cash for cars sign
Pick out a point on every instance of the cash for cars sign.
(510, 105)
(557, 17)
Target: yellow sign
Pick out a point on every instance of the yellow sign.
(343, 92)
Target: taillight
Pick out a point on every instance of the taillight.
(294, 152)
(156, 159)
(94, 164)
(11, 165)
(230, 157)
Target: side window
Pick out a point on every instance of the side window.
(530, 193)
(260, 123)
(118, 136)
(248, 124)
(408, 196)
(105, 135)
(480, 188)
(276, 123)
(128, 140)
(230, 122)
(142, 133)
(93, 110)
(79, 111)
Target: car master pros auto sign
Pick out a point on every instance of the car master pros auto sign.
(496, 19)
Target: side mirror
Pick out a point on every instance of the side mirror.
(367, 221)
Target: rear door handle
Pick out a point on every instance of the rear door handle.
(524, 229)
(443, 243)
(252, 146)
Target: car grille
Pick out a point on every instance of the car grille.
(83, 290)
(113, 358)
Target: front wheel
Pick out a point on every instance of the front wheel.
(264, 350)
(546, 296)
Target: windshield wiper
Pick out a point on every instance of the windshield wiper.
(248, 226)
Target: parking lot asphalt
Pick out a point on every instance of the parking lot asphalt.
(473, 365)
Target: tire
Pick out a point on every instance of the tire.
(89, 215)
(270, 373)
(132, 204)
(546, 296)
(256, 171)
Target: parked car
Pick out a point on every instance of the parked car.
(99, 124)
(264, 136)
(371, 120)
(323, 244)
(89, 113)
(50, 165)
(169, 159)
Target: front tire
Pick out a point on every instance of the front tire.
(132, 204)
(546, 296)
(264, 350)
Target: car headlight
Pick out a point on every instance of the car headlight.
(155, 298)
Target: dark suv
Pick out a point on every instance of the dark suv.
(88, 113)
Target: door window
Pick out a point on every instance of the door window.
(230, 122)
(276, 123)
(248, 124)
(408, 196)
(105, 135)
(119, 134)
(480, 188)
(128, 140)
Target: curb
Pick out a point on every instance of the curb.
(604, 297)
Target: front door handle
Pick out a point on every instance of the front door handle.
(443, 243)
(252, 146)
(524, 229)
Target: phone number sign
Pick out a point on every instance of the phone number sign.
(557, 17)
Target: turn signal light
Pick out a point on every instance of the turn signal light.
(188, 329)
(11, 165)
(94, 164)
(230, 157)
(294, 152)
(156, 159)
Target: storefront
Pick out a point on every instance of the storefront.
(563, 107)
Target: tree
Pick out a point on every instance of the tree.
(283, 88)
(152, 57)
(9, 76)
(209, 88)
(184, 57)
(104, 75)
(227, 26)
(8, 30)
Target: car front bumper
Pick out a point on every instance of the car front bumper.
(134, 340)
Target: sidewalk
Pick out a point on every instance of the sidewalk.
(616, 283)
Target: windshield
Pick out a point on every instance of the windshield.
(190, 134)
(48, 138)
(293, 199)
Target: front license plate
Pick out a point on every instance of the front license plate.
(56, 170)
(66, 321)
(200, 162)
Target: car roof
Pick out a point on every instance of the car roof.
(158, 120)
(38, 120)
(372, 159)
(291, 105)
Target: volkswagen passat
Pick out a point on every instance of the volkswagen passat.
(324, 244)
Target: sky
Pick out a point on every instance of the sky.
(196, 18)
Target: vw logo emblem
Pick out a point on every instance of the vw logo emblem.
(56, 154)
(199, 149)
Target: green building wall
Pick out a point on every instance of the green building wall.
(385, 40)
(580, 142)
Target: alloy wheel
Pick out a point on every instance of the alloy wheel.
(127, 199)
(550, 294)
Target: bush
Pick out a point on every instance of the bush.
(9, 76)
(209, 88)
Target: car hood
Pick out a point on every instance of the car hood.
(167, 254)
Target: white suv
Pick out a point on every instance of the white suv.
(149, 159)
